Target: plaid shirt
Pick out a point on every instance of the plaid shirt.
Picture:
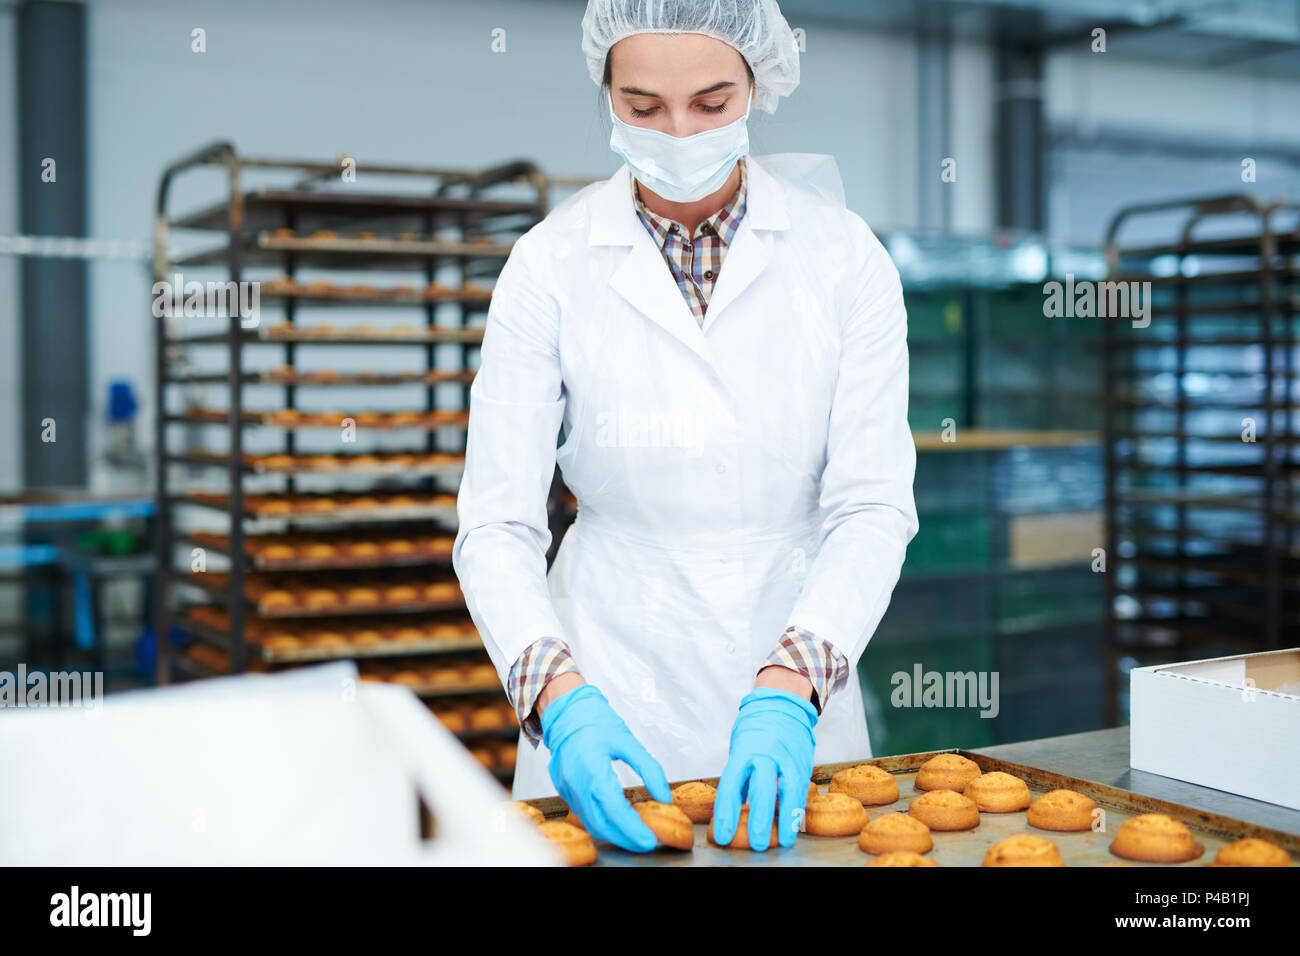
(695, 265)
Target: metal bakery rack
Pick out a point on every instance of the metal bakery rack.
(306, 510)
(1201, 433)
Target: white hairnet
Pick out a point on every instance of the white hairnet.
(754, 27)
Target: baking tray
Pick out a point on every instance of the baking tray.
(955, 848)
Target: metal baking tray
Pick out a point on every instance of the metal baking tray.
(955, 848)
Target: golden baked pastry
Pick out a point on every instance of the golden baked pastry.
(331, 640)
(902, 858)
(454, 721)
(281, 642)
(507, 753)
(362, 549)
(575, 845)
(481, 674)
(278, 461)
(318, 551)
(998, 792)
(740, 841)
(321, 597)
(361, 596)
(893, 833)
(400, 594)
(277, 598)
(946, 772)
(1061, 810)
(277, 552)
(668, 823)
(1155, 838)
(834, 814)
(407, 678)
(572, 819)
(1252, 851)
(365, 637)
(440, 591)
(812, 789)
(1023, 849)
(486, 718)
(409, 635)
(866, 783)
(945, 810)
(696, 800)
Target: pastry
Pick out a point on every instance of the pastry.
(361, 596)
(281, 642)
(867, 784)
(1155, 838)
(331, 640)
(278, 461)
(441, 591)
(946, 772)
(998, 792)
(276, 599)
(318, 551)
(362, 549)
(945, 810)
(321, 597)
(1061, 810)
(902, 858)
(399, 546)
(572, 820)
(834, 814)
(696, 800)
(486, 718)
(319, 505)
(407, 678)
(1023, 849)
(277, 552)
(454, 721)
(893, 833)
(668, 823)
(481, 674)
(507, 753)
(366, 637)
(409, 635)
(401, 594)
(740, 840)
(1252, 851)
(574, 844)
(812, 789)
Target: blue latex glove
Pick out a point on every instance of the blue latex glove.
(772, 738)
(585, 736)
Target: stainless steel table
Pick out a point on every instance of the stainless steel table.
(1102, 756)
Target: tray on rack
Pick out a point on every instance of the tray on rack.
(955, 848)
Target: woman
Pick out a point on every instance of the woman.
(724, 350)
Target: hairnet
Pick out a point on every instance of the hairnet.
(754, 27)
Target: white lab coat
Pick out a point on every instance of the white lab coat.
(730, 480)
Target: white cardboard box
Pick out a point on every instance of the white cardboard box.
(1231, 723)
(307, 767)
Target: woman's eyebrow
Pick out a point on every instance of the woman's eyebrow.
(637, 91)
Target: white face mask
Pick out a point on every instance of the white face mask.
(681, 169)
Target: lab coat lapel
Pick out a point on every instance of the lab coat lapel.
(642, 277)
(751, 246)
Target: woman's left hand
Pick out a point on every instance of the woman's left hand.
(772, 745)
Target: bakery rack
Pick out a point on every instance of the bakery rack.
(1201, 520)
(328, 531)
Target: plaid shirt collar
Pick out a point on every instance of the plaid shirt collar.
(722, 223)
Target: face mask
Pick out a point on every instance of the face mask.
(681, 169)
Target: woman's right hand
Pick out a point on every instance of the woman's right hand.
(585, 736)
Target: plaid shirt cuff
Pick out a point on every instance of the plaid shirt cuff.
(542, 660)
(803, 651)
